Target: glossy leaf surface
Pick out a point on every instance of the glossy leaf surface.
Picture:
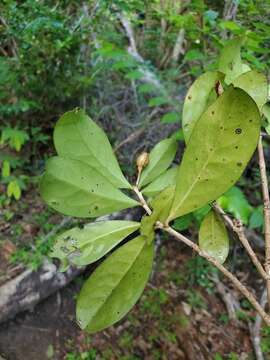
(115, 286)
(255, 84)
(221, 144)
(166, 179)
(213, 237)
(87, 245)
(160, 159)
(200, 95)
(74, 188)
(78, 137)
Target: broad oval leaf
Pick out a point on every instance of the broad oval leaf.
(78, 137)
(166, 179)
(160, 159)
(200, 95)
(220, 146)
(115, 286)
(230, 62)
(255, 84)
(83, 246)
(74, 188)
(213, 237)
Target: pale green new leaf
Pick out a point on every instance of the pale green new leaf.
(200, 95)
(87, 245)
(213, 237)
(230, 62)
(160, 159)
(160, 205)
(78, 137)
(220, 146)
(74, 188)
(255, 84)
(115, 286)
(166, 179)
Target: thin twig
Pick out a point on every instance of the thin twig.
(142, 200)
(220, 267)
(256, 329)
(266, 208)
(237, 227)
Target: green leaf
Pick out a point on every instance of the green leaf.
(134, 75)
(266, 113)
(183, 222)
(256, 219)
(218, 151)
(115, 286)
(197, 100)
(170, 117)
(14, 190)
(89, 244)
(160, 205)
(235, 202)
(166, 179)
(230, 62)
(158, 101)
(255, 84)
(77, 137)
(76, 189)
(160, 159)
(147, 88)
(213, 237)
(6, 168)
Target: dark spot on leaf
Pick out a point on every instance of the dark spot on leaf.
(238, 131)
(189, 97)
(250, 120)
(212, 112)
(96, 207)
(196, 159)
(211, 149)
(239, 164)
(223, 159)
(236, 147)
(82, 178)
(221, 127)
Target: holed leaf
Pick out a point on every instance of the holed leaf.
(200, 95)
(115, 286)
(255, 84)
(230, 62)
(160, 159)
(87, 245)
(74, 188)
(220, 146)
(166, 179)
(78, 137)
(213, 237)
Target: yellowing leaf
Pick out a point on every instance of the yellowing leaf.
(199, 96)
(77, 137)
(115, 286)
(220, 146)
(255, 84)
(87, 245)
(160, 159)
(76, 189)
(213, 237)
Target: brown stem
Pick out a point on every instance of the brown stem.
(266, 208)
(220, 267)
(238, 228)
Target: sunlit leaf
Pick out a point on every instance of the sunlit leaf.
(166, 179)
(115, 286)
(220, 146)
(230, 62)
(213, 237)
(77, 137)
(255, 84)
(6, 168)
(256, 219)
(197, 100)
(14, 190)
(76, 189)
(160, 159)
(87, 245)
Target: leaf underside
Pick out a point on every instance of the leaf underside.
(115, 286)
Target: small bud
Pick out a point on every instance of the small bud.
(142, 161)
